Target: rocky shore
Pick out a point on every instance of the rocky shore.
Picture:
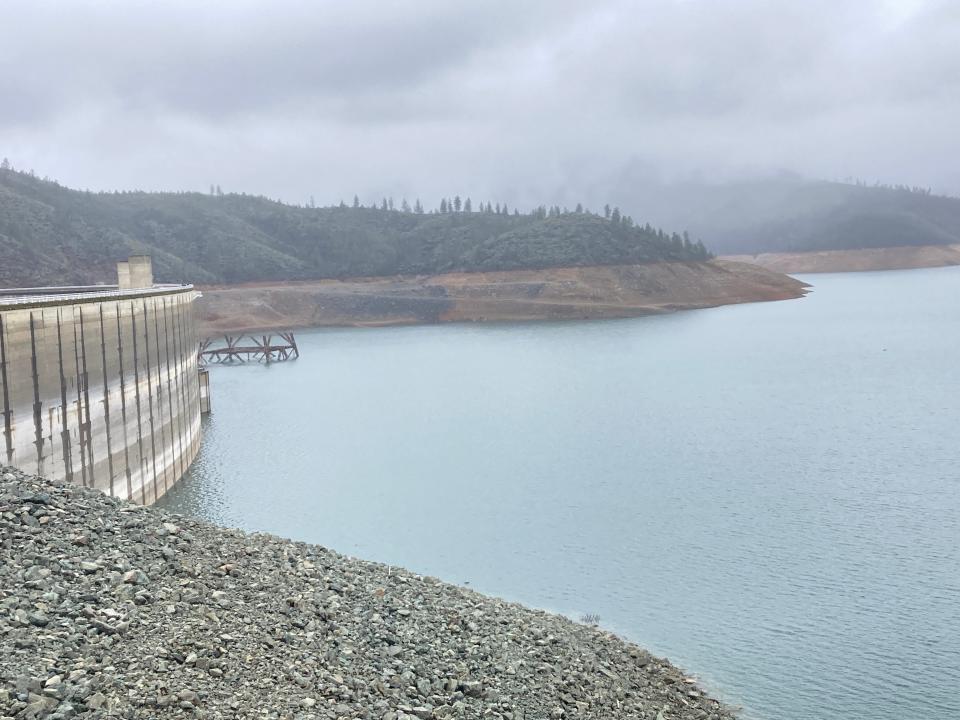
(109, 609)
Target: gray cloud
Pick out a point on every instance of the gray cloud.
(530, 102)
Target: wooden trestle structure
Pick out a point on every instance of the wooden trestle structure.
(235, 349)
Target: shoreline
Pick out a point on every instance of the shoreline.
(861, 260)
(573, 293)
(131, 610)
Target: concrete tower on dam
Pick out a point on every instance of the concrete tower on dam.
(99, 385)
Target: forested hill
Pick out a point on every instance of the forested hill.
(837, 216)
(792, 214)
(50, 234)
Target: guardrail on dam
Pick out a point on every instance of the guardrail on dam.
(99, 385)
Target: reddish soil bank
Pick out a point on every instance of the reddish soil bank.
(552, 294)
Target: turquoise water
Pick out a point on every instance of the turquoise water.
(767, 494)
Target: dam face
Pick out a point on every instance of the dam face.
(99, 385)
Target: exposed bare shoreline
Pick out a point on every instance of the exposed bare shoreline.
(893, 258)
(519, 295)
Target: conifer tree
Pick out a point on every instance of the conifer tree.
(356, 201)
(457, 204)
(443, 205)
(467, 206)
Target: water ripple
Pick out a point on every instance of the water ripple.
(749, 491)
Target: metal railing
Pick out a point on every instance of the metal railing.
(32, 297)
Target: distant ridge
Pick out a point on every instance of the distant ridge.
(788, 213)
(50, 234)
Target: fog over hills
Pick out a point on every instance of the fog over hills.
(788, 213)
(688, 115)
(52, 234)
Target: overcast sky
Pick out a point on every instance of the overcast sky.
(527, 101)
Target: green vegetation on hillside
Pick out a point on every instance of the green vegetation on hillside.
(50, 234)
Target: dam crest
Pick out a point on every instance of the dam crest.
(99, 385)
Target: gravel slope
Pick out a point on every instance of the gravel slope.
(109, 609)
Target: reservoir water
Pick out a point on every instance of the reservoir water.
(767, 494)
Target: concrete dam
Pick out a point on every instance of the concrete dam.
(99, 385)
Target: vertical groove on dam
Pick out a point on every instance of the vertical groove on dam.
(108, 432)
(65, 445)
(78, 382)
(99, 386)
(123, 405)
(176, 426)
(181, 381)
(85, 375)
(158, 391)
(141, 467)
(37, 406)
(149, 379)
(7, 419)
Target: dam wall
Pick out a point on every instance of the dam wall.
(99, 386)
